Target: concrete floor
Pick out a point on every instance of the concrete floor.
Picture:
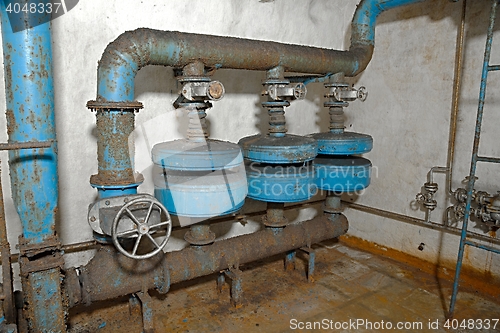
(350, 286)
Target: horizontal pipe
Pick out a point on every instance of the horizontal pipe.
(109, 274)
(420, 222)
(24, 145)
(88, 245)
(132, 50)
(488, 159)
(483, 247)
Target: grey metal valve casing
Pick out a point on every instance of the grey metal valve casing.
(102, 213)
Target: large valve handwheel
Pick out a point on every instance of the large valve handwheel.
(142, 228)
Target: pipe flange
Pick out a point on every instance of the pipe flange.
(107, 106)
(162, 283)
(431, 187)
(336, 84)
(275, 224)
(83, 277)
(183, 79)
(275, 81)
(329, 104)
(482, 198)
(199, 241)
(430, 204)
(274, 104)
(51, 244)
(195, 105)
(332, 210)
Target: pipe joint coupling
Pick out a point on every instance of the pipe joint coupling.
(97, 105)
(279, 90)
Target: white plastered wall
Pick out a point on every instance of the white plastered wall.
(407, 111)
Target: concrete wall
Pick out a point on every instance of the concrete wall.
(407, 111)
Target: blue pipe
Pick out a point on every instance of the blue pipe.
(474, 158)
(132, 50)
(483, 247)
(363, 23)
(29, 91)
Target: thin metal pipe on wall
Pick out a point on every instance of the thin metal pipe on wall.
(457, 84)
(419, 222)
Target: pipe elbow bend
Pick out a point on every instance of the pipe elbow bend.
(120, 62)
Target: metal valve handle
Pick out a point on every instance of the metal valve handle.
(344, 93)
(362, 93)
(213, 91)
(285, 91)
(299, 91)
(141, 227)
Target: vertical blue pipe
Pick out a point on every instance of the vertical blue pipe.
(474, 158)
(29, 94)
(29, 91)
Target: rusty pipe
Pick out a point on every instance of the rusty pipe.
(29, 95)
(132, 50)
(3, 222)
(109, 274)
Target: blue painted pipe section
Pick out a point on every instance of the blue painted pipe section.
(29, 94)
(48, 314)
(30, 117)
(363, 23)
(108, 191)
(483, 247)
(474, 157)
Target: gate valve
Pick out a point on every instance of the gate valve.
(427, 199)
(459, 211)
(130, 223)
(482, 198)
(494, 208)
(344, 93)
(213, 91)
(460, 194)
(284, 91)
